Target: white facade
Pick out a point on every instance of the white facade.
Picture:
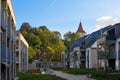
(91, 56)
(21, 53)
(7, 40)
(117, 62)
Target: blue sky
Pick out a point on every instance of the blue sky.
(65, 15)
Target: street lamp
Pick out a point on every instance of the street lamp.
(78, 59)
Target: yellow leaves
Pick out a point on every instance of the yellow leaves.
(24, 33)
(50, 50)
(40, 30)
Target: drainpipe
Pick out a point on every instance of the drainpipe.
(0, 39)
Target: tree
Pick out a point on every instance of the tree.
(44, 28)
(25, 27)
(58, 48)
(43, 40)
(31, 54)
(70, 37)
(57, 34)
(103, 50)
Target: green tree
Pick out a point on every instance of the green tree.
(31, 54)
(25, 27)
(43, 40)
(104, 49)
(70, 37)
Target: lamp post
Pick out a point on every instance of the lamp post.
(78, 59)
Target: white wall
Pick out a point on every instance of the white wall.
(88, 58)
(117, 62)
(92, 56)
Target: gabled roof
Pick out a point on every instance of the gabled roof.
(80, 28)
(94, 36)
(89, 39)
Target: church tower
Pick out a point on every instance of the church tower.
(80, 30)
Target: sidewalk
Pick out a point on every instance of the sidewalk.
(69, 76)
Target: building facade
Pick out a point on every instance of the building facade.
(100, 49)
(7, 40)
(21, 53)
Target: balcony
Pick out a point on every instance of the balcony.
(117, 35)
(112, 55)
(82, 58)
(110, 38)
(3, 21)
(8, 32)
(119, 54)
(82, 48)
(8, 55)
(3, 52)
(17, 59)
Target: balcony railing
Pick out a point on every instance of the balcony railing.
(82, 58)
(110, 37)
(3, 52)
(117, 35)
(119, 54)
(17, 60)
(8, 55)
(3, 21)
(82, 48)
(112, 55)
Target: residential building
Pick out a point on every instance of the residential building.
(78, 53)
(99, 49)
(21, 53)
(117, 45)
(7, 40)
(91, 48)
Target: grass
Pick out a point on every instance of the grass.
(96, 74)
(29, 76)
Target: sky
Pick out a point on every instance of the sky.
(65, 15)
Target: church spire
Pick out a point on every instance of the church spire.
(80, 29)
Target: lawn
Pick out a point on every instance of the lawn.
(29, 76)
(96, 74)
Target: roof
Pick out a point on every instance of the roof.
(95, 36)
(80, 28)
(89, 39)
(78, 42)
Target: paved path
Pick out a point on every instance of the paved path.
(69, 76)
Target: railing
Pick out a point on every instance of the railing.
(3, 21)
(8, 55)
(119, 53)
(110, 37)
(82, 58)
(82, 48)
(17, 60)
(3, 52)
(117, 35)
(112, 55)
